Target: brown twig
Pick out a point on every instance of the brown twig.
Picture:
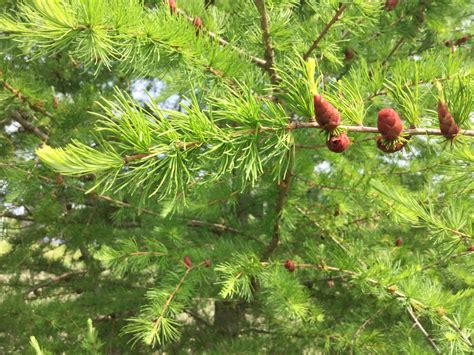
(325, 30)
(156, 323)
(258, 61)
(213, 226)
(362, 326)
(11, 215)
(394, 49)
(28, 126)
(283, 190)
(423, 330)
(365, 129)
(53, 280)
(34, 106)
(330, 235)
(269, 50)
(192, 222)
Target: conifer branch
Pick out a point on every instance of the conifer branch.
(54, 280)
(444, 261)
(408, 85)
(394, 49)
(325, 30)
(258, 61)
(269, 50)
(365, 129)
(216, 227)
(7, 214)
(170, 298)
(283, 191)
(330, 235)
(35, 106)
(28, 126)
(361, 328)
(391, 289)
(423, 330)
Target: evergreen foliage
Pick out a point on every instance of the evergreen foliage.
(164, 185)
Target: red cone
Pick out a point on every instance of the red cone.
(391, 5)
(326, 115)
(349, 54)
(389, 123)
(187, 261)
(172, 6)
(448, 127)
(462, 40)
(384, 147)
(338, 144)
(197, 22)
(290, 265)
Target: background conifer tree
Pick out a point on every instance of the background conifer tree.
(170, 176)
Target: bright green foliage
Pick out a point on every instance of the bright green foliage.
(181, 171)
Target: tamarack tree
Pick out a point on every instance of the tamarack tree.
(311, 188)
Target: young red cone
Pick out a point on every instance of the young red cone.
(197, 22)
(471, 248)
(398, 242)
(448, 127)
(349, 54)
(386, 148)
(172, 6)
(290, 265)
(326, 115)
(462, 40)
(389, 123)
(338, 144)
(187, 261)
(391, 5)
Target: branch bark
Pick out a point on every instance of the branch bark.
(325, 30)
(258, 61)
(54, 280)
(29, 126)
(269, 50)
(24, 99)
(284, 188)
(392, 290)
(423, 330)
(365, 129)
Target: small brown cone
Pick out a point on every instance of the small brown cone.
(326, 115)
(388, 148)
(338, 144)
(448, 127)
(389, 123)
